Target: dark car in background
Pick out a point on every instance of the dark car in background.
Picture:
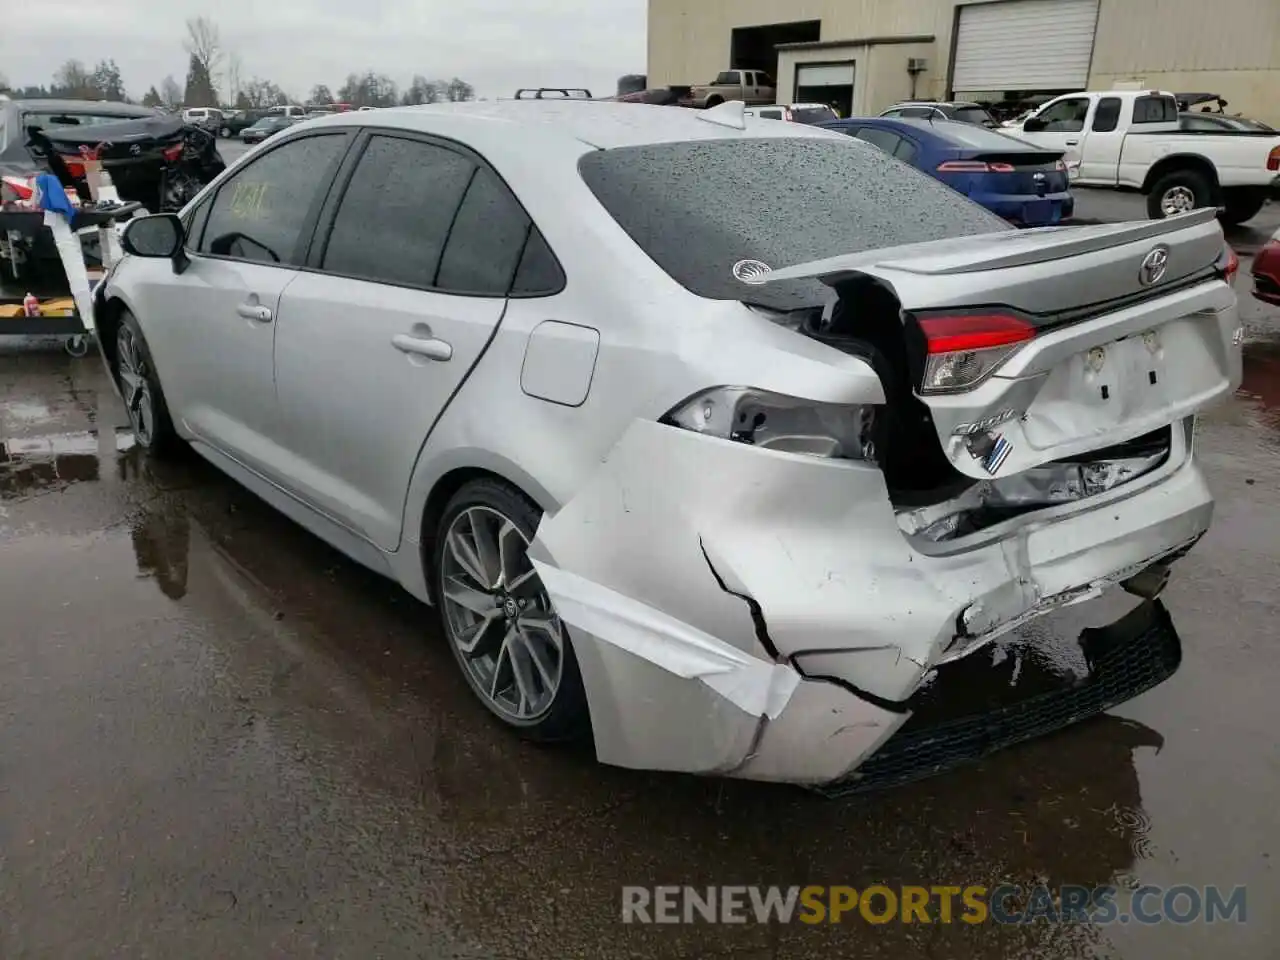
(267, 127)
(962, 111)
(153, 158)
(1025, 184)
(1220, 123)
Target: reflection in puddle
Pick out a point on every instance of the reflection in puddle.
(1262, 380)
(37, 464)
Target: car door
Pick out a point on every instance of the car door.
(1100, 153)
(409, 278)
(1061, 126)
(213, 325)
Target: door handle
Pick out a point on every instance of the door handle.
(1073, 143)
(254, 311)
(432, 348)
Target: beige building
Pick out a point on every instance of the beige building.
(867, 54)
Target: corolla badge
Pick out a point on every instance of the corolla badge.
(1154, 264)
(751, 271)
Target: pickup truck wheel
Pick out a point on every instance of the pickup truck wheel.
(1241, 205)
(714, 102)
(1178, 192)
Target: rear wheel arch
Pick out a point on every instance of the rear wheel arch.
(444, 489)
(1193, 162)
(107, 324)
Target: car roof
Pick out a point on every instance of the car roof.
(597, 123)
(952, 132)
(935, 103)
(100, 107)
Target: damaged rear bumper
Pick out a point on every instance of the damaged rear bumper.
(745, 612)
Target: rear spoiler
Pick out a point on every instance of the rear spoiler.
(991, 251)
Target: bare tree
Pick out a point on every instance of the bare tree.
(73, 80)
(457, 90)
(4, 82)
(170, 93)
(204, 43)
(234, 77)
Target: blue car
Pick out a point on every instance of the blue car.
(1027, 185)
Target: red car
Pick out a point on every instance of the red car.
(1266, 272)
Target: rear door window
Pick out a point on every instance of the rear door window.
(694, 208)
(395, 216)
(485, 241)
(1107, 117)
(263, 213)
(884, 139)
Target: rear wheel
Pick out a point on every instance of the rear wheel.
(1241, 205)
(1180, 191)
(140, 387)
(501, 625)
(224, 132)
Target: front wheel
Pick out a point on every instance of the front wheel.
(1178, 192)
(1240, 205)
(140, 387)
(224, 132)
(501, 625)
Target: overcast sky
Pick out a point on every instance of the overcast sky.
(496, 45)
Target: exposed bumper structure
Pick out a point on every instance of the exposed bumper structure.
(759, 614)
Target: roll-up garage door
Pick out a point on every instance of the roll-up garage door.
(825, 75)
(1024, 45)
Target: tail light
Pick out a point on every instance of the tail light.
(962, 351)
(786, 115)
(1060, 166)
(1229, 263)
(75, 168)
(973, 166)
(174, 153)
(1273, 159)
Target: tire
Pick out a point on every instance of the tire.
(489, 520)
(714, 102)
(144, 399)
(224, 132)
(1188, 189)
(77, 346)
(1241, 205)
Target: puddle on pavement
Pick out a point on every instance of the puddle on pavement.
(1261, 382)
(40, 464)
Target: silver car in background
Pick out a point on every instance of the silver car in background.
(721, 484)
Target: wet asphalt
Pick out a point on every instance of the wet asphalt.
(219, 738)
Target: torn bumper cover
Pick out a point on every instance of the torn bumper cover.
(741, 611)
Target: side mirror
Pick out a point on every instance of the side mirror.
(159, 236)
(1033, 125)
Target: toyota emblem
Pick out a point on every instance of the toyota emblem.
(751, 271)
(135, 149)
(1153, 266)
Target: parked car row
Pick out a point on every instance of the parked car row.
(723, 486)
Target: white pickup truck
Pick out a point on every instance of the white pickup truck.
(1130, 140)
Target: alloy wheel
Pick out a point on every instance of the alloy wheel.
(499, 617)
(1177, 200)
(134, 385)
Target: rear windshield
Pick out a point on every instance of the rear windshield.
(978, 138)
(812, 114)
(698, 207)
(972, 115)
(1155, 110)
